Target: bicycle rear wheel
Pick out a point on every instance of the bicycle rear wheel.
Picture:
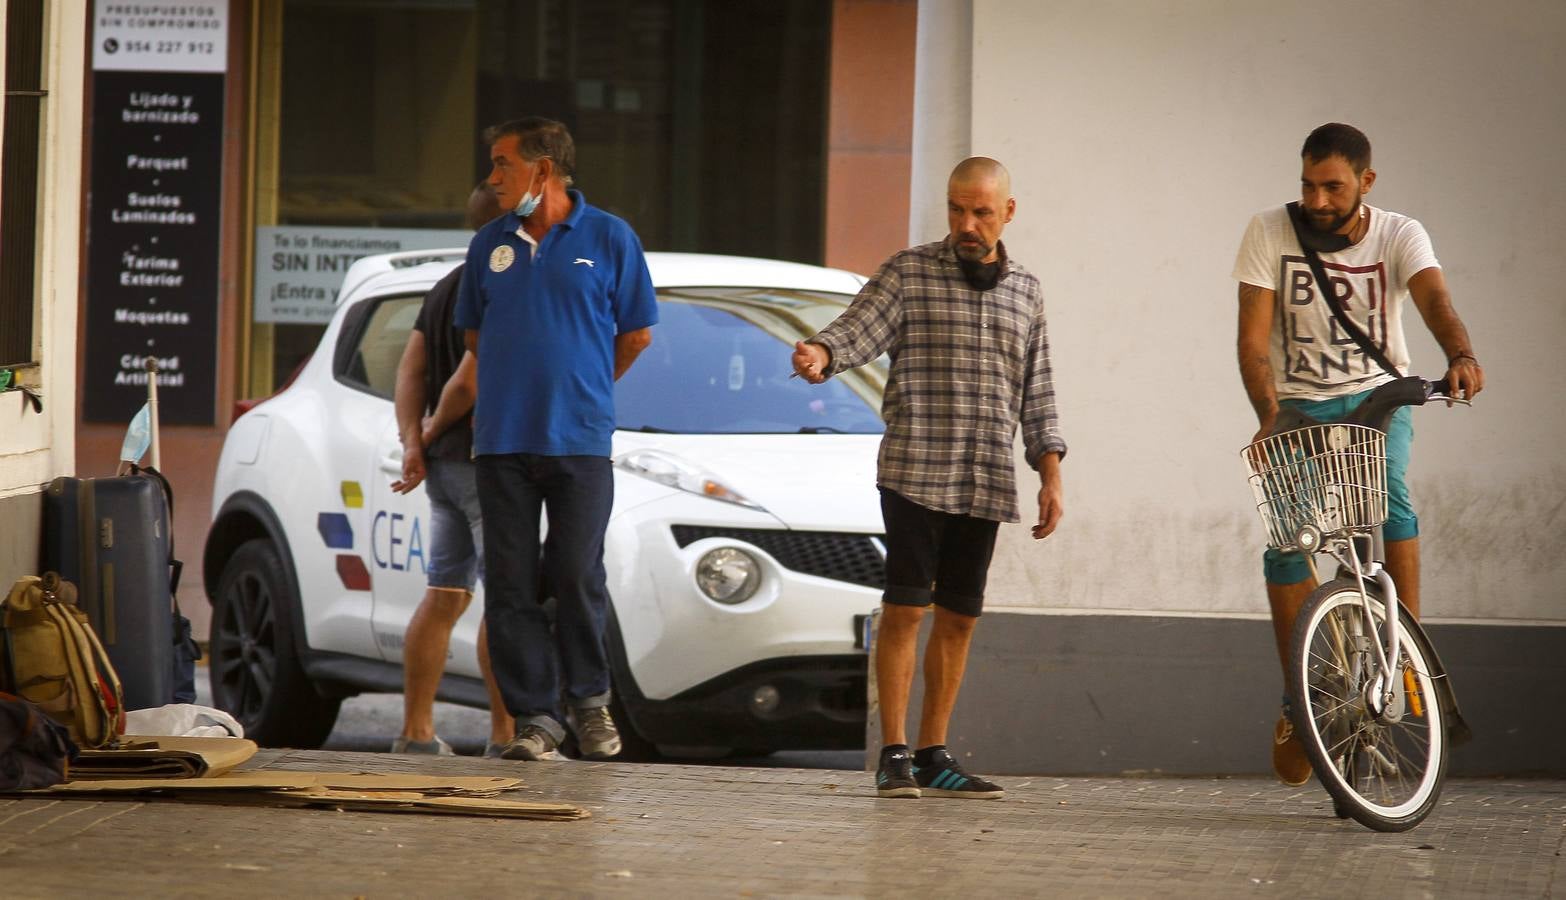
(1384, 769)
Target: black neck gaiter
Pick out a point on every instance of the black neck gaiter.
(1312, 239)
(984, 276)
(980, 276)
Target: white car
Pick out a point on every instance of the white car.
(744, 551)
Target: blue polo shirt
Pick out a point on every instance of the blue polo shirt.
(547, 320)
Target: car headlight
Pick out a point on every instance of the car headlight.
(728, 575)
(666, 468)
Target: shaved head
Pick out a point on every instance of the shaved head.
(976, 170)
(978, 207)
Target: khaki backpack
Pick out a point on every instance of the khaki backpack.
(50, 656)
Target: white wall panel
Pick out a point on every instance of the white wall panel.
(1141, 136)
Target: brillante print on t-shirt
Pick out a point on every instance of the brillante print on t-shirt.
(1313, 356)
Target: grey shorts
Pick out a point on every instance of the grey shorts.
(456, 551)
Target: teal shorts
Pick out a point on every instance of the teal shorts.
(1401, 525)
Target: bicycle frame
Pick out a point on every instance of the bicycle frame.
(1370, 696)
(1283, 477)
(1388, 701)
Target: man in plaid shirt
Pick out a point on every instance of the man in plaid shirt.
(964, 327)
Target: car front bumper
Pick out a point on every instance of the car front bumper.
(676, 639)
(796, 703)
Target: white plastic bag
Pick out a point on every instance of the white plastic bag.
(182, 720)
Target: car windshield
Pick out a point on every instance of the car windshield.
(719, 364)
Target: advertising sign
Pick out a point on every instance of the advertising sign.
(300, 268)
(182, 36)
(153, 239)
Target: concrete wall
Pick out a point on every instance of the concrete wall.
(1197, 695)
(1141, 136)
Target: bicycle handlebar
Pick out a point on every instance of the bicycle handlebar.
(1378, 408)
(1441, 390)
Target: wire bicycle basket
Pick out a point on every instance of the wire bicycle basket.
(1317, 481)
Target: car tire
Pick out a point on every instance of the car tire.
(255, 668)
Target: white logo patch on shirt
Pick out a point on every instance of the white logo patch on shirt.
(584, 262)
(501, 258)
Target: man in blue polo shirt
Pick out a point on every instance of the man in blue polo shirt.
(556, 302)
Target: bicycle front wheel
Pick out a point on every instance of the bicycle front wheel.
(1382, 764)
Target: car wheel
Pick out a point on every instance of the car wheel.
(256, 674)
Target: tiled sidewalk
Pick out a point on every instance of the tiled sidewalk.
(699, 831)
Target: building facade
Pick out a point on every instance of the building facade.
(1141, 136)
(40, 243)
(333, 129)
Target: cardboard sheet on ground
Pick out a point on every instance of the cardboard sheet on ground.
(467, 785)
(285, 779)
(164, 757)
(408, 801)
(362, 792)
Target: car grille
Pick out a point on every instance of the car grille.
(853, 558)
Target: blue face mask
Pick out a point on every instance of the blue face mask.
(530, 200)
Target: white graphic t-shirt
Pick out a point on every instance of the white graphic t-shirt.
(1312, 355)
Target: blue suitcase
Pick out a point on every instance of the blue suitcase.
(111, 537)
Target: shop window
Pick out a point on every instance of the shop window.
(702, 123)
(19, 157)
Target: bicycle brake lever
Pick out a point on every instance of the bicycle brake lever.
(1439, 391)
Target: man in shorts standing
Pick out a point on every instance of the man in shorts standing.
(964, 326)
(434, 398)
(1294, 354)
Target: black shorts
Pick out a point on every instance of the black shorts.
(935, 557)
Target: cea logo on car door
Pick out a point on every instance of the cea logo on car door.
(396, 540)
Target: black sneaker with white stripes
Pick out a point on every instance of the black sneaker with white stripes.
(941, 776)
(894, 776)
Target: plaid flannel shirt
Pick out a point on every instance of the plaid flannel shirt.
(967, 366)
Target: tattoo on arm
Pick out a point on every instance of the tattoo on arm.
(1253, 346)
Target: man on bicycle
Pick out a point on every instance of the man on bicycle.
(1293, 352)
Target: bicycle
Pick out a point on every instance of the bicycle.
(1368, 694)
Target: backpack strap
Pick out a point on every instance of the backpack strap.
(86, 654)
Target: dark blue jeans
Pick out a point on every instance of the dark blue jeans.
(528, 659)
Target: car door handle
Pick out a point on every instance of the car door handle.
(392, 462)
